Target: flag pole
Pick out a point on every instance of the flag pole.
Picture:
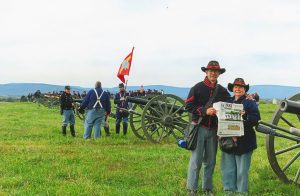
(128, 74)
(126, 83)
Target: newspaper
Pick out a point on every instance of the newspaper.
(230, 121)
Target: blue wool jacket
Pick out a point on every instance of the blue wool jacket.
(118, 101)
(91, 98)
(247, 143)
(199, 96)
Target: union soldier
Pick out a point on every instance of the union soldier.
(67, 110)
(29, 97)
(122, 109)
(37, 96)
(207, 132)
(142, 92)
(98, 104)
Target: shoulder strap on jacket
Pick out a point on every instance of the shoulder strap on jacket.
(211, 99)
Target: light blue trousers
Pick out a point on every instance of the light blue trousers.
(235, 171)
(205, 152)
(68, 117)
(94, 117)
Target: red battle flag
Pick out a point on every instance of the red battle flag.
(125, 67)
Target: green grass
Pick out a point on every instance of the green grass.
(35, 159)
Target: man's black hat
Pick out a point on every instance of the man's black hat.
(68, 87)
(213, 65)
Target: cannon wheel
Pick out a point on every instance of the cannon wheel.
(136, 117)
(282, 153)
(135, 121)
(159, 122)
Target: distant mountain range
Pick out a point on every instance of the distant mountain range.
(264, 91)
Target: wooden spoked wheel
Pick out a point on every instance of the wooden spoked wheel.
(135, 118)
(284, 153)
(165, 116)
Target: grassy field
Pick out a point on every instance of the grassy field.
(35, 159)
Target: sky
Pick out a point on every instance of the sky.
(78, 42)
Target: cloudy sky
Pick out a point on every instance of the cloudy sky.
(80, 41)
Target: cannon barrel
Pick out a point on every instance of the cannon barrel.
(136, 100)
(290, 106)
(143, 102)
(265, 130)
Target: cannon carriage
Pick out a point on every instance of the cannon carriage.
(158, 118)
(49, 101)
(283, 140)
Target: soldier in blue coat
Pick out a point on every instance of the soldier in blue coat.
(122, 109)
(206, 149)
(67, 110)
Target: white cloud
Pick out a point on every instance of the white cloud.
(78, 42)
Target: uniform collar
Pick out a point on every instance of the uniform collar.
(208, 83)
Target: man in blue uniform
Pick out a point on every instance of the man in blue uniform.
(122, 109)
(98, 105)
(67, 110)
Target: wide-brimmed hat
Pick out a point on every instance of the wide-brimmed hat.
(121, 85)
(238, 82)
(67, 87)
(213, 65)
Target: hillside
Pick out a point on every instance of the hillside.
(265, 91)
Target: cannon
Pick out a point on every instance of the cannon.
(283, 140)
(158, 118)
(49, 101)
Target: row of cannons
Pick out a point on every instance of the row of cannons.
(163, 118)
